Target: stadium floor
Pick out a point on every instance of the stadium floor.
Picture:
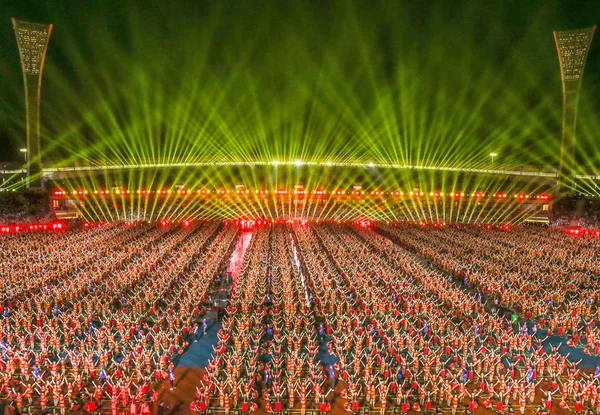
(190, 366)
(179, 399)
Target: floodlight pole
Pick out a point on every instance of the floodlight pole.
(572, 47)
(32, 40)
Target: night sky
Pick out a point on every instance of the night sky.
(143, 54)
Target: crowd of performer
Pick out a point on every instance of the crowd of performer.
(543, 275)
(391, 319)
(96, 317)
(397, 330)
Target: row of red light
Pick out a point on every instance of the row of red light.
(441, 225)
(263, 222)
(187, 223)
(397, 193)
(164, 222)
(249, 223)
(38, 227)
(583, 232)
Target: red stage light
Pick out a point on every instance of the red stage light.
(436, 194)
(457, 194)
(544, 196)
(163, 223)
(183, 192)
(396, 193)
(58, 193)
(186, 223)
(357, 193)
(222, 191)
(163, 192)
(80, 192)
(499, 195)
(261, 192)
(102, 191)
(477, 195)
(417, 194)
(203, 191)
(521, 196)
(338, 192)
(122, 191)
(144, 191)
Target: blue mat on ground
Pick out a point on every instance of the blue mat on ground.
(198, 354)
(323, 356)
(575, 353)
